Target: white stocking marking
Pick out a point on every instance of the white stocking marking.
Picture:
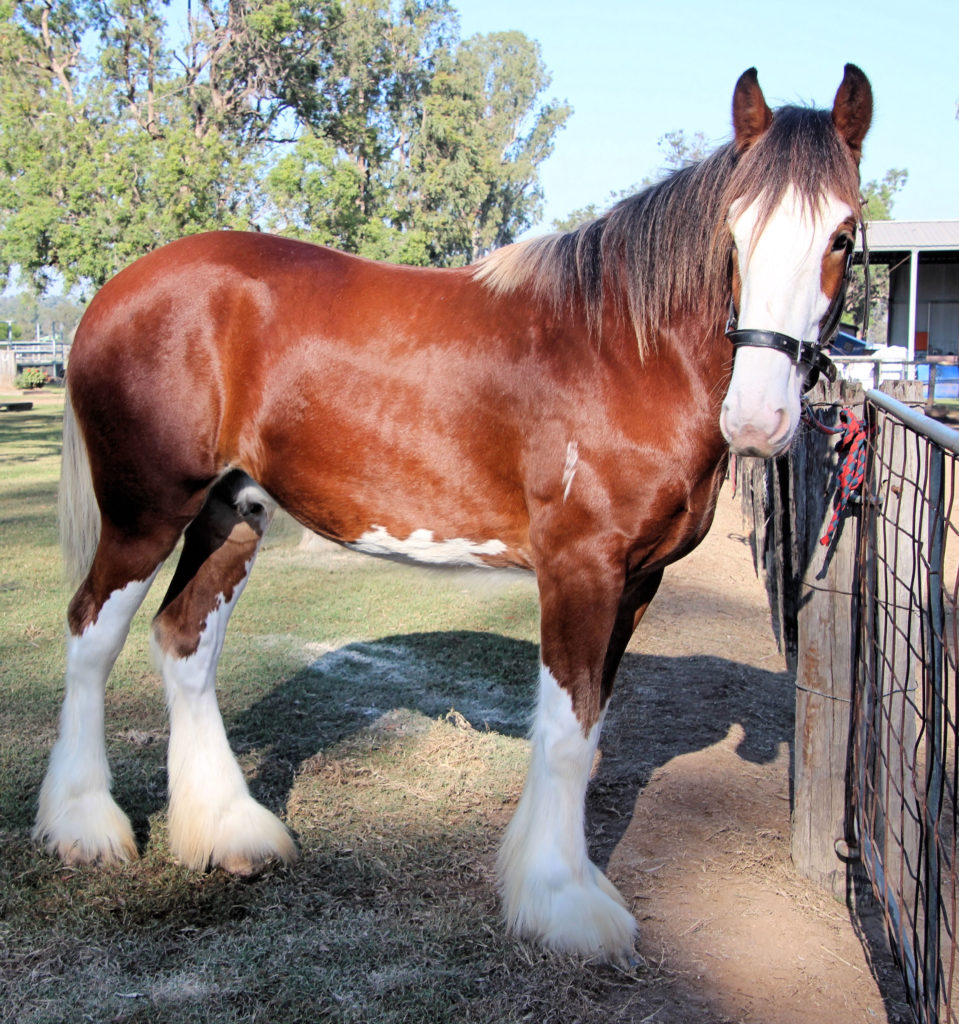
(551, 890)
(212, 819)
(77, 818)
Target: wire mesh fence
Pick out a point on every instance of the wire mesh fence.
(877, 667)
(906, 695)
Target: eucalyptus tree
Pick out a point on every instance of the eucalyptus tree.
(114, 141)
(474, 165)
(363, 123)
(879, 196)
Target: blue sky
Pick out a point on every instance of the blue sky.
(635, 69)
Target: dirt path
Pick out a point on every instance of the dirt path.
(701, 731)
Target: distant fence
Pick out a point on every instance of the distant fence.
(938, 374)
(49, 354)
(869, 621)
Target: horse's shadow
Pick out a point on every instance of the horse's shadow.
(662, 707)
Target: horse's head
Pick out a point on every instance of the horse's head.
(792, 211)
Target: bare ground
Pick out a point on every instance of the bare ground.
(701, 730)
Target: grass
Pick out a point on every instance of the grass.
(378, 710)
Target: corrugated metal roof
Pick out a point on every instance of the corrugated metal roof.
(897, 235)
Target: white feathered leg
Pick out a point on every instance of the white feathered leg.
(77, 817)
(213, 820)
(551, 890)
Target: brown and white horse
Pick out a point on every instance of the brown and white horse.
(563, 406)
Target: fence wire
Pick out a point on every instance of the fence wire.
(904, 731)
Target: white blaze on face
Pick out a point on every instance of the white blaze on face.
(781, 275)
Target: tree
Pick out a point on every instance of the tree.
(111, 153)
(358, 122)
(878, 199)
(430, 153)
(346, 180)
(879, 195)
(319, 193)
(473, 180)
(680, 151)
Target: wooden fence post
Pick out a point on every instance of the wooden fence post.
(826, 605)
(824, 577)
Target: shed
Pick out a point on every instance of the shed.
(923, 261)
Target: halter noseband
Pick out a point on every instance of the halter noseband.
(811, 354)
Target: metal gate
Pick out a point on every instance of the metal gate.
(905, 774)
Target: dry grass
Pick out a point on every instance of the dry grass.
(383, 720)
(381, 712)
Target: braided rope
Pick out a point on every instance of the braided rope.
(851, 449)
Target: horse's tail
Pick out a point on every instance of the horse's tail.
(77, 511)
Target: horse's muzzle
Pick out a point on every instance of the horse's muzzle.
(764, 434)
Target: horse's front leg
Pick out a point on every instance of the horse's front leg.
(551, 890)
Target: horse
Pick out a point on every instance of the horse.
(566, 405)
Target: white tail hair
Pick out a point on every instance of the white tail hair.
(77, 512)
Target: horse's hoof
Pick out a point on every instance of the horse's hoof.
(87, 829)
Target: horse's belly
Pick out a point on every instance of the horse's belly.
(424, 548)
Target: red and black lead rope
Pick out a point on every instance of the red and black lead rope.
(851, 449)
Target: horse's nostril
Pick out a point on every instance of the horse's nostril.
(781, 428)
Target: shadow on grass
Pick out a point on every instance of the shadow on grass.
(344, 912)
(29, 436)
(663, 707)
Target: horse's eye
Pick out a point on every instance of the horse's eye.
(842, 243)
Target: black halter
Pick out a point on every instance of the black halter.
(811, 354)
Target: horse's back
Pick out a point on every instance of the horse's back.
(361, 395)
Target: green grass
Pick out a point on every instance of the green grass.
(379, 710)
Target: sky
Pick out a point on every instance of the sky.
(635, 69)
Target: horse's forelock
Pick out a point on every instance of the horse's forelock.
(802, 149)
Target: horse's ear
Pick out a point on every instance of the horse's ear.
(852, 110)
(751, 116)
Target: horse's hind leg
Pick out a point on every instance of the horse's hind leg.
(77, 818)
(213, 819)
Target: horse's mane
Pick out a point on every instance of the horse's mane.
(666, 249)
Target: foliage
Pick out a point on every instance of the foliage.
(423, 169)
(879, 195)
(108, 155)
(474, 162)
(330, 119)
(27, 314)
(29, 378)
(680, 151)
(878, 198)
